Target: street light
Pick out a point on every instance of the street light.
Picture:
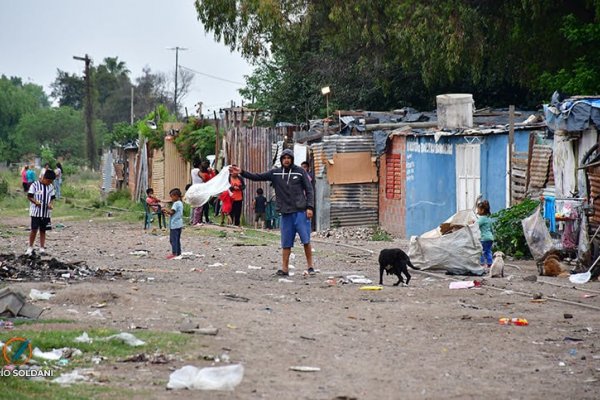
(325, 91)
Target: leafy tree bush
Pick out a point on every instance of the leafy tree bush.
(3, 187)
(195, 141)
(508, 231)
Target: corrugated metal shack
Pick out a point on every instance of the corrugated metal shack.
(255, 149)
(346, 181)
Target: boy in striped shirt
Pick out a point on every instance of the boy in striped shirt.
(41, 196)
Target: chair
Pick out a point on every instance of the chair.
(149, 214)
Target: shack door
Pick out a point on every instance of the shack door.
(467, 175)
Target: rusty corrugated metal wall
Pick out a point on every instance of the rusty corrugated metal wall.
(354, 204)
(252, 150)
(176, 170)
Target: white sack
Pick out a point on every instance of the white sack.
(458, 253)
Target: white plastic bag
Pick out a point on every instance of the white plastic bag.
(211, 378)
(537, 235)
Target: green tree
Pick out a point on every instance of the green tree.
(61, 129)
(16, 99)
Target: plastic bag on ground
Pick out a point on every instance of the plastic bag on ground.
(537, 235)
(211, 378)
(35, 294)
(126, 338)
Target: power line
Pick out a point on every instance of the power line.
(212, 76)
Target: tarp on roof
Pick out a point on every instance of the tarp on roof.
(572, 115)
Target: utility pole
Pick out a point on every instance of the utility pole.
(131, 113)
(176, 48)
(89, 113)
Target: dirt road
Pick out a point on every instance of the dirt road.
(418, 342)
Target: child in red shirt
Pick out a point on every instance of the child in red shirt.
(226, 204)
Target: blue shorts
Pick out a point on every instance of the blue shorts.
(294, 223)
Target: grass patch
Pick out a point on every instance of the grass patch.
(17, 388)
(165, 342)
(23, 321)
(20, 388)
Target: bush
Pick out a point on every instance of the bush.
(3, 187)
(508, 231)
(379, 235)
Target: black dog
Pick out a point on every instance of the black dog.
(394, 261)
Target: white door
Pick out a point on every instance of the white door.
(467, 175)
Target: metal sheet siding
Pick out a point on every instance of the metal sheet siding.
(349, 204)
(176, 169)
(252, 150)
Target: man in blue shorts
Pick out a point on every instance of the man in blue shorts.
(295, 201)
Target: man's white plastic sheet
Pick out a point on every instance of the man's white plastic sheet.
(199, 194)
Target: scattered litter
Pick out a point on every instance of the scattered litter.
(461, 284)
(573, 352)
(72, 377)
(231, 326)
(241, 272)
(301, 368)
(361, 279)
(371, 287)
(35, 294)
(283, 280)
(513, 321)
(217, 264)
(196, 270)
(537, 296)
(139, 253)
(567, 316)
(253, 267)
(6, 325)
(157, 358)
(98, 305)
(83, 338)
(57, 354)
(561, 364)
(211, 378)
(66, 275)
(235, 297)
(307, 338)
(572, 339)
(96, 313)
(210, 331)
(126, 338)
(587, 296)
(98, 359)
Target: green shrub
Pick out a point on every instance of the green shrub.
(508, 231)
(3, 187)
(379, 235)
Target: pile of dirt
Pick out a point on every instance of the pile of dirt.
(347, 233)
(35, 268)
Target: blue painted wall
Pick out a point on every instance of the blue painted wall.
(431, 177)
(430, 183)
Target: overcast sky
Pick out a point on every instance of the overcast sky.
(40, 36)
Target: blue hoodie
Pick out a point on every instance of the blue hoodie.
(293, 189)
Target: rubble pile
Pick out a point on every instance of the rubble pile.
(36, 268)
(347, 233)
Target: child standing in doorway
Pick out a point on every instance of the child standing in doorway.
(175, 222)
(41, 197)
(487, 236)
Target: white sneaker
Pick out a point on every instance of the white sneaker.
(42, 250)
(29, 251)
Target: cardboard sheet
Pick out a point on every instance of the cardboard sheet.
(352, 168)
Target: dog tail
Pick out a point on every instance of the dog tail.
(411, 265)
